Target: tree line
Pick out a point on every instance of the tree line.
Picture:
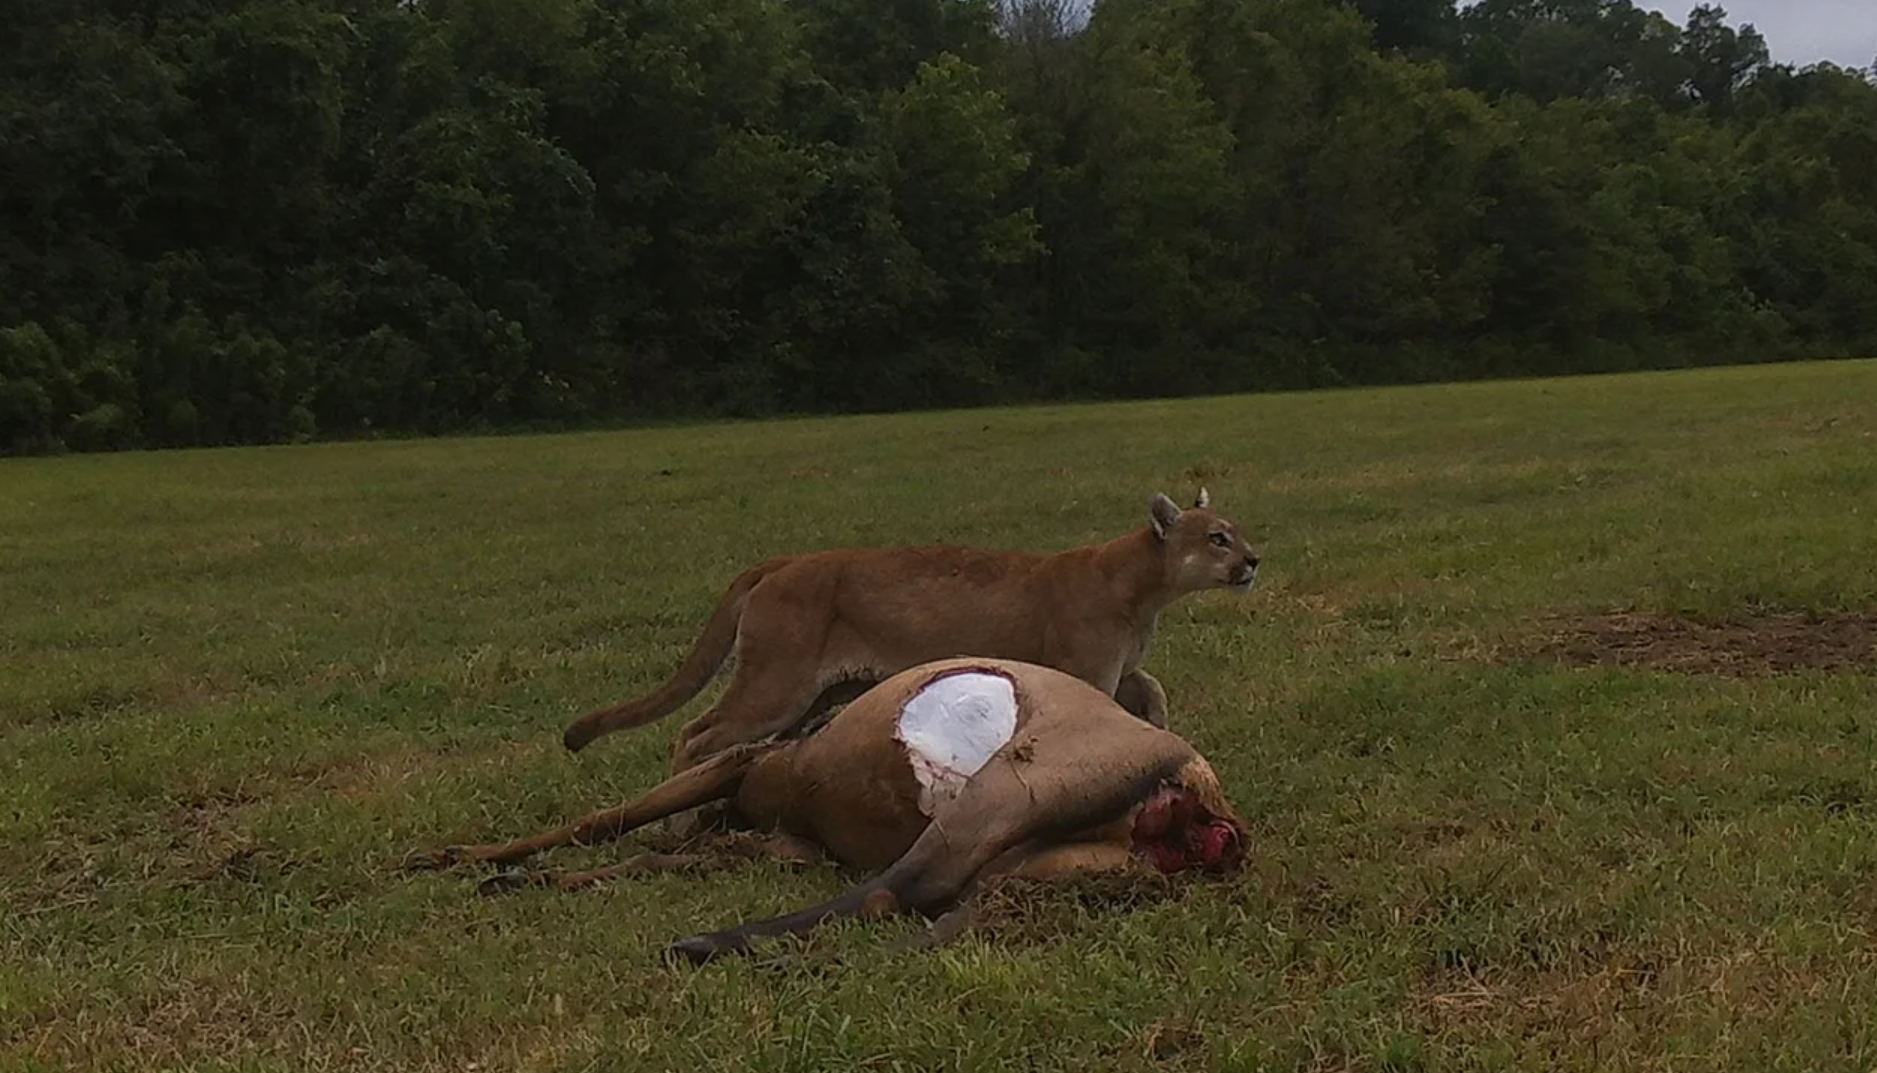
(249, 221)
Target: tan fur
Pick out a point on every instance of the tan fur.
(812, 630)
(1059, 798)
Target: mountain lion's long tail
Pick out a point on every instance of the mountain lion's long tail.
(707, 655)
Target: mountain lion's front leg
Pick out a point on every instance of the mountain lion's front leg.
(1140, 693)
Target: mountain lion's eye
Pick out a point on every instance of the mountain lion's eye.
(1220, 540)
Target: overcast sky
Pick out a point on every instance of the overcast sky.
(1800, 31)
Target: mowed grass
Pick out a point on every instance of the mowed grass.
(237, 686)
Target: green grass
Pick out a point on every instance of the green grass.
(236, 686)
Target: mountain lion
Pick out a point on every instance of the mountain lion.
(814, 630)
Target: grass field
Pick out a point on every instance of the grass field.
(237, 686)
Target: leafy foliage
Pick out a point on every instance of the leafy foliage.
(253, 222)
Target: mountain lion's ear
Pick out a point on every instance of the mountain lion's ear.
(1204, 500)
(1165, 513)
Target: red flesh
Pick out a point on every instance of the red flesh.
(1176, 833)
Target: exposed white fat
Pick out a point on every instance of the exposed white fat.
(952, 727)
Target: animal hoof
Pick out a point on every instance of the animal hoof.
(430, 860)
(697, 950)
(505, 883)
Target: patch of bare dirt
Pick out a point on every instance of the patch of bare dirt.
(1739, 647)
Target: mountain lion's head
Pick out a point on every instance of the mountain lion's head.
(1203, 548)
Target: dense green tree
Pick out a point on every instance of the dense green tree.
(229, 221)
(1553, 49)
(1420, 27)
(1719, 57)
(1802, 211)
(879, 45)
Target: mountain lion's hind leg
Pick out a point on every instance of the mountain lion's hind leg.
(763, 700)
